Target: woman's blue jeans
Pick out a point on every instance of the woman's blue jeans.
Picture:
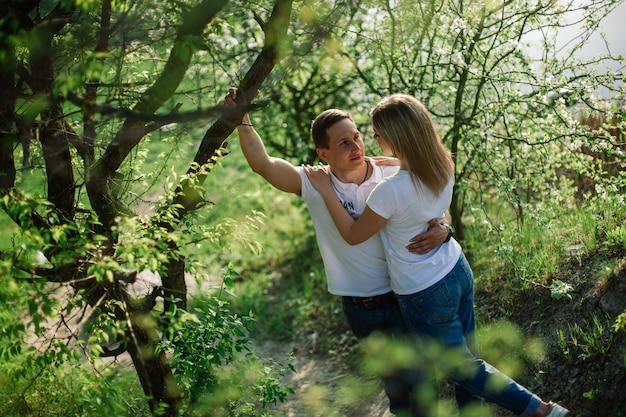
(443, 315)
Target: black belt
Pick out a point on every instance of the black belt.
(382, 300)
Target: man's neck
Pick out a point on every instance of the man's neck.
(355, 176)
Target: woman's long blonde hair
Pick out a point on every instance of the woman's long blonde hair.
(405, 123)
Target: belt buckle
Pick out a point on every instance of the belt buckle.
(369, 302)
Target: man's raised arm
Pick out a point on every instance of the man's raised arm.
(278, 172)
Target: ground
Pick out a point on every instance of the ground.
(317, 377)
(583, 366)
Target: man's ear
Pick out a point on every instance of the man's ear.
(322, 154)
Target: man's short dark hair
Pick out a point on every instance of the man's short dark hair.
(321, 124)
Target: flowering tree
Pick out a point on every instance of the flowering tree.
(506, 96)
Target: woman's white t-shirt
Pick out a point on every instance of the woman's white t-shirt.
(408, 207)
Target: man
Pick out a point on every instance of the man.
(356, 273)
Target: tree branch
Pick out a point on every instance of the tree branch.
(275, 31)
(133, 130)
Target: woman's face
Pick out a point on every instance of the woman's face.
(384, 145)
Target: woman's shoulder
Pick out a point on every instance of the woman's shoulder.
(394, 184)
(399, 177)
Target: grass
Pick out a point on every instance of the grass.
(518, 256)
(281, 281)
(281, 277)
(74, 390)
(285, 284)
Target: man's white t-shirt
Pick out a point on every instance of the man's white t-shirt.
(408, 208)
(359, 270)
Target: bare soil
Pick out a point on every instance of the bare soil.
(586, 376)
(316, 382)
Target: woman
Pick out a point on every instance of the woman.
(436, 290)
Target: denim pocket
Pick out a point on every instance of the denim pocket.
(435, 305)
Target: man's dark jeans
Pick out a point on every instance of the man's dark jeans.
(388, 320)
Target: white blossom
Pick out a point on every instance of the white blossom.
(459, 25)
(576, 144)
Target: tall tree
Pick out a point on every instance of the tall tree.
(86, 87)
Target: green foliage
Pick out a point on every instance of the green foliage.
(587, 339)
(525, 161)
(141, 246)
(617, 237)
(287, 290)
(620, 323)
(283, 283)
(531, 252)
(504, 345)
(13, 328)
(212, 354)
(508, 116)
(563, 345)
(560, 289)
(215, 361)
(70, 391)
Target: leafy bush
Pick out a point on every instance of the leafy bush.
(214, 358)
(71, 390)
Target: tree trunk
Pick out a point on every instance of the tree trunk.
(151, 364)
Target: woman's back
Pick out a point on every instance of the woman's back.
(408, 208)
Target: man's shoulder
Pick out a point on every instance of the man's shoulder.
(384, 170)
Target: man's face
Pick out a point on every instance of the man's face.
(345, 146)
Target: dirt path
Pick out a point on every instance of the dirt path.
(320, 381)
(318, 386)
(581, 365)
